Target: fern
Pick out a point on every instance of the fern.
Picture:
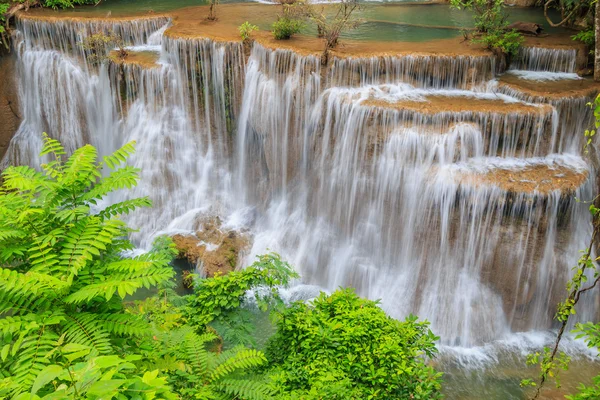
(60, 266)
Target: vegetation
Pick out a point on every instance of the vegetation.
(290, 22)
(571, 12)
(330, 27)
(8, 9)
(212, 10)
(551, 360)
(63, 273)
(246, 30)
(66, 331)
(285, 28)
(345, 347)
(98, 46)
(491, 22)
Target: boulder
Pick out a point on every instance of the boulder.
(213, 249)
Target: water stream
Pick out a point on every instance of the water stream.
(341, 170)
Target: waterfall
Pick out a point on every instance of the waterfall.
(425, 71)
(542, 59)
(416, 179)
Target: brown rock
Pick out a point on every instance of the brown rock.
(213, 249)
(10, 115)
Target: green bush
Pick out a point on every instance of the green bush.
(491, 22)
(507, 42)
(246, 30)
(285, 28)
(344, 347)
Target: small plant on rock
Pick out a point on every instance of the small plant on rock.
(98, 46)
(212, 10)
(246, 30)
(331, 27)
(290, 22)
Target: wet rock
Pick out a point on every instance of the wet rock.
(213, 248)
(529, 28)
(10, 115)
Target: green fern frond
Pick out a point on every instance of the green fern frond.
(81, 245)
(52, 146)
(246, 388)
(7, 233)
(82, 328)
(32, 356)
(122, 284)
(24, 179)
(120, 156)
(81, 167)
(25, 293)
(124, 207)
(11, 325)
(43, 256)
(126, 177)
(123, 324)
(242, 359)
(196, 353)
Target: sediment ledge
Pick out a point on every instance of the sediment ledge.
(536, 177)
(436, 104)
(551, 89)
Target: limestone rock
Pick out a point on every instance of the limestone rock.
(213, 248)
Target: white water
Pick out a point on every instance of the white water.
(352, 195)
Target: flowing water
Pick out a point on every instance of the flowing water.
(465, 215)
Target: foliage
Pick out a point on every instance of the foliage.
(341, 346)
(219, 299)
(98, 45)
(507, 42)
(330, 27)
(586, 37)
(246, 30)
(491, 21)
(570, 11)
(67, 3)
(197, 373)
(63, 275)
(489, 15)
(285, 28)
(551, 360)
(104, 377)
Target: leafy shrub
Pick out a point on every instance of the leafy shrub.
(285, 27)
(216, 297)
(491, 21)
(98, 45)
(67, 3)
(507, 42)
(343, 347)
(62, 273)
(246, 30)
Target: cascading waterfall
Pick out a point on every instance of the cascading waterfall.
(423, 71)
(543, 59)
(465, 217)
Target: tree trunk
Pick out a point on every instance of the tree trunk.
(597, 47)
